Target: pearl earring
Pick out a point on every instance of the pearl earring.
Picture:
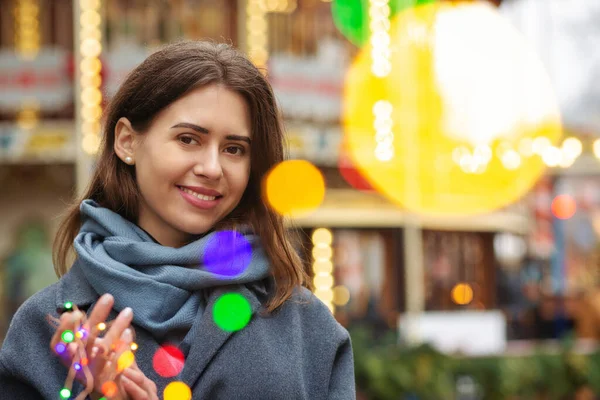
(128, 160)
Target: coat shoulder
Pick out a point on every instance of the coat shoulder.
(40, 305)
(27, 339)
(313, 312)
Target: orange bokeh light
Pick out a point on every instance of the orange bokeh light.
(462, 294)
(564, 206)
(294, 188)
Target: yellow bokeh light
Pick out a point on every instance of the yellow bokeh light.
(325, 295)
(323, 281)
(341, 296)
(90, 144)
(89, 4)
(322, 253)
(90, 66)
(90, 128)
(90, 18)
(439, 107)
(125, 360)
(89, 80)
(572, 147)
(90, 48)
(91, 32)
(596, 148)
(325, 266)
(294, 188)
(91, 113)
(177, 391)
(91, 96)
(322, 235)
(462, 294)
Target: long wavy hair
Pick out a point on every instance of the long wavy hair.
(165, 76)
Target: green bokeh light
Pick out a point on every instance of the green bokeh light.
(232, 312)
(65, 393)
(68, 336)
(352, 16)
(68, 305)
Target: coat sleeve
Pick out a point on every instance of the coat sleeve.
(12, 387)
(341, 384)
(28, 369)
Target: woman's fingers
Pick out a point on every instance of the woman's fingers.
(122, 322)
(68, 322)
(137, 385)
(99, 314)
(135, 391)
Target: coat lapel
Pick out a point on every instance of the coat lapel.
(206, 338)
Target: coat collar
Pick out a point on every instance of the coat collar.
(206, 338)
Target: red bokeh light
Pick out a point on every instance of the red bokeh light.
(351, 174)
(168, 361)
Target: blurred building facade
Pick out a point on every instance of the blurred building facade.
(539, 268)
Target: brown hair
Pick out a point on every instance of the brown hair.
(162, 78)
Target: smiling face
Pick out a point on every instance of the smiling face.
(192, 165)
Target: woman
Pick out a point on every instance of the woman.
(187, 140)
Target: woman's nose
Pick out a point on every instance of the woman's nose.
(210, 166)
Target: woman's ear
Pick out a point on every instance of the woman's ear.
(125, 141)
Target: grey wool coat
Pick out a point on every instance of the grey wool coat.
(297, 352)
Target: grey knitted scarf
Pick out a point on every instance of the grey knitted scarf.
(163, 285)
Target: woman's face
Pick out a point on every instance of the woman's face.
(193, 164)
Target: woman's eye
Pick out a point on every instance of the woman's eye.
(187, 140)
(235, 150)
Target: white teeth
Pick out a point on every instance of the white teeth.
(198, 195)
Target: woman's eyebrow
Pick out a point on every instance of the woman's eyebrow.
(201, 129)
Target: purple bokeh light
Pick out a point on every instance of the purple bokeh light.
(228, 253)
(60, 348)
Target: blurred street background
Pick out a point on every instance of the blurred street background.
(454, 225)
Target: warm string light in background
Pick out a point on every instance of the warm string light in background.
(476, 161)
(256, 30)
(29, 114)
(27, 46)
(383, 123)
(381, 66)
(323, 266)
(27, 28)
(279, 6)
(596, 148)
(379, 27)
(90, 46)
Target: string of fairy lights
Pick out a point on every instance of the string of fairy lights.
(381, 66)
(475, 160)
(27, 46)
(256, 33)
(90, 48)
(322, 253)
(27, 28)
(279, 6)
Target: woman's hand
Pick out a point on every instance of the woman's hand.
(136, 385)
(95, 361)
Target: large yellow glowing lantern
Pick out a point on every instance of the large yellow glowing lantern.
(467, 112)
